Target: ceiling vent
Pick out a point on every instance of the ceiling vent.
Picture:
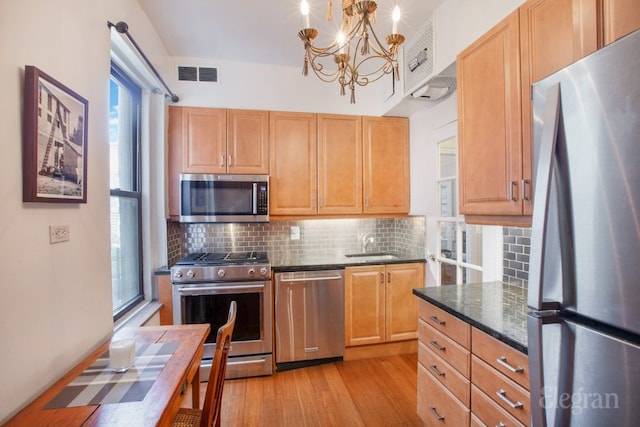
(422, 81)
(197, 74)
(438, 86)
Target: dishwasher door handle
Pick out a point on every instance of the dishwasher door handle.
(312, 279)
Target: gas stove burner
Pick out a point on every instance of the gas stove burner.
(225, 258)
(242, 256)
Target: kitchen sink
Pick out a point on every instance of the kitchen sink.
(372, 256)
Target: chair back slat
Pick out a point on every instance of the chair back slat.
(213, 396)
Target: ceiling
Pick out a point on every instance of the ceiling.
(262, 31)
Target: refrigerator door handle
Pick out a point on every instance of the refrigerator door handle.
(539, 221)
(542, 394)
(536, 370)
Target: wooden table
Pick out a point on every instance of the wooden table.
(161, 402)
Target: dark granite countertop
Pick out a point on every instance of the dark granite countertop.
(496, 308)
(304, 262)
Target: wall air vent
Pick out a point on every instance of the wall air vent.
(188, 74)
(197, 74)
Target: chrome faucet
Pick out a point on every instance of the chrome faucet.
(367, 239)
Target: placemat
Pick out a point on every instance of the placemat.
(98, 384)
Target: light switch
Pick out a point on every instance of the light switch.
(295, 233)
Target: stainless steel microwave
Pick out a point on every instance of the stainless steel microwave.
(224, 198)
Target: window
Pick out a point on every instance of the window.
(125, 207)
(460, 257)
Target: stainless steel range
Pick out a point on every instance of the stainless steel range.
(204, 284)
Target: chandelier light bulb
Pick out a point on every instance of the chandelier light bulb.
(341, 38)
(304, 9)
(395, 15)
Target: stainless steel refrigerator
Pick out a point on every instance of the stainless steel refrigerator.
(584, 278)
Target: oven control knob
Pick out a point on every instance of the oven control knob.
(190, 274)
(221, 273)
(264, 271)
(178, 274)
(251, 272)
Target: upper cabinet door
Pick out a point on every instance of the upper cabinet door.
(204, 140)
(553, 34)
(621, 17)
(386, 165)
(339, 164)
(248, 142)
(489, 121)
(293, 157)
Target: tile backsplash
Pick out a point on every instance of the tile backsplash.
(317, 237)
(516, 249)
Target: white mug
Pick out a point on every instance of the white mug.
(121, 354)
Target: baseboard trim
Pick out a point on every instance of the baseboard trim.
(381, 350)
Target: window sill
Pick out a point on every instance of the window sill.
(139, 316)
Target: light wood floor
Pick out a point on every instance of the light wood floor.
(368, 392)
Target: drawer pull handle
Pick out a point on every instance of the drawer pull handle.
(435, 370)
(438, 321)
(502, 360)
(503, 395)
(501, 424)
(435, 344)
(435, 414)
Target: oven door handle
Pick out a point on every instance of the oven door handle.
(212, 289)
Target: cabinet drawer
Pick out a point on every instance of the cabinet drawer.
(475, 421)
(501, 357)
(444, 373)
(449, 350)
(506, 393)
(489, 412)
(436, 405)
(456, 329)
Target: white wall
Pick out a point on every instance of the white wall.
(268, 87)
(56, 299)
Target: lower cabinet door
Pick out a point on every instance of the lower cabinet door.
(437, 406)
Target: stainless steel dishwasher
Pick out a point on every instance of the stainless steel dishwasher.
(309, 318)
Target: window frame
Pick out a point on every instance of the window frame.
(136, 193)
(457, 220)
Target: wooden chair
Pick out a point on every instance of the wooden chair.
(210, 414)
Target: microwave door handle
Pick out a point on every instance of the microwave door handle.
(255, 198)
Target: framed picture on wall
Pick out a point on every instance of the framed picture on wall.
(54, 146)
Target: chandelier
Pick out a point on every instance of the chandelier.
(358, 55)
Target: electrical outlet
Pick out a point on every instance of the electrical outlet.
(295, 233)
(59, 233)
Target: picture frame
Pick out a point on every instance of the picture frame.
(54, 146)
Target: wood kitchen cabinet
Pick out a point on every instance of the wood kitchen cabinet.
(199, 135)
(342, 165)
(293, 163)
(489, 124)
(215, 140)
(248, 142)
(339, 164)
(386, 165)
(620, 17)
(165, 297)
(379, 304)
(553, 34)
(316, 173)
(463, 371)
(495, 75)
